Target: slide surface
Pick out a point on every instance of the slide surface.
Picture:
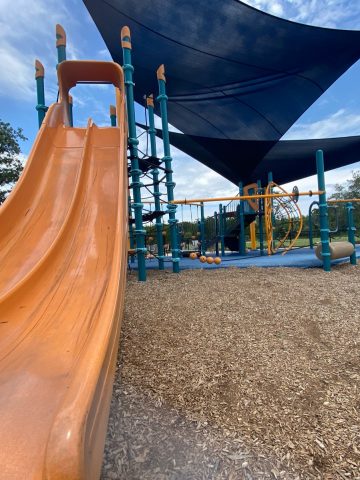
(63, 267)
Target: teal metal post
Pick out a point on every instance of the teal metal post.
(202, 229)
(39, 76)
(221, 230)
(270, 179)
(131, 230)
(162, 99)
(133, 143)
(311, 238)
(216, 217)
(71, 118)
(60, 43)
(113, 115)
(155, 175)
(323, 209)
(242, 244)
(351, 230)
(261, 214)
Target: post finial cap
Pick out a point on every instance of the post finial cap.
(60, 36)
(39, 69)
(112, 110)
(150, 101)
(160, 73)
(125, 37)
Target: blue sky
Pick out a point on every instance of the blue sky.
(27, 31)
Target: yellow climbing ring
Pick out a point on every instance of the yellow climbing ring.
(293, 214)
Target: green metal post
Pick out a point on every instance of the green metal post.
(155, 175)
(221, 230)
(162, 99)
(260, 216)
(133, 143)
(351, 230)
(216, 217)
(39, 76)
(202, 229)
(324, 220)
(242, 243)
(60, 43)
(113, 115)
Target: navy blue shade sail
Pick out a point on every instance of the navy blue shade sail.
(234, 74)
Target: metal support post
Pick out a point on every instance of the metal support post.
(221, 230)
(133, 143)
(261, 214)
(242, 243)
(216, 218)
(71, 117)
(113, 115)
(202, 229)
(40, 90)
(323, 209)
(60, 43)
(351, 230)
(162, 99)
(155, 175)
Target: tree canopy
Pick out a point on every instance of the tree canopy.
(350, 190)
(10, 163)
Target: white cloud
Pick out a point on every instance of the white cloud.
(340, 123)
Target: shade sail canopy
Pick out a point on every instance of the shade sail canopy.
(232, 71)
(250, 161)
(237, 79)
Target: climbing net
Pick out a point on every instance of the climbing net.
(286, 214)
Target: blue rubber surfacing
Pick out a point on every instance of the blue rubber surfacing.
(297, 258)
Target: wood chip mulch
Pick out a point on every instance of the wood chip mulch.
(238, 373)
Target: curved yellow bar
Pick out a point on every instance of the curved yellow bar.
(63, 256)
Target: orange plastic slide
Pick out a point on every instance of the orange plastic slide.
(63, 266)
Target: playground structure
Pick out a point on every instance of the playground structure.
(72, 215)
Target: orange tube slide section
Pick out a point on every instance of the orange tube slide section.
(63, 270)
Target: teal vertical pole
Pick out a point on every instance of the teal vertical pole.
(133, 143)
(351, 230)
(221, 230)
(323, 209)
(162, 99)
(60, 43)
(113, 115)
(242, 244)
(261, 214)
(216, 217)
(71, 118)
(131, 230)
(202, 229)
(270, 180)
(311, 237)
(155, 175)
(40, 90)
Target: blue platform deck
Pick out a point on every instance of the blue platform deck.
(298, 258)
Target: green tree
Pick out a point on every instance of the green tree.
(10, 164)
(350, 190)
